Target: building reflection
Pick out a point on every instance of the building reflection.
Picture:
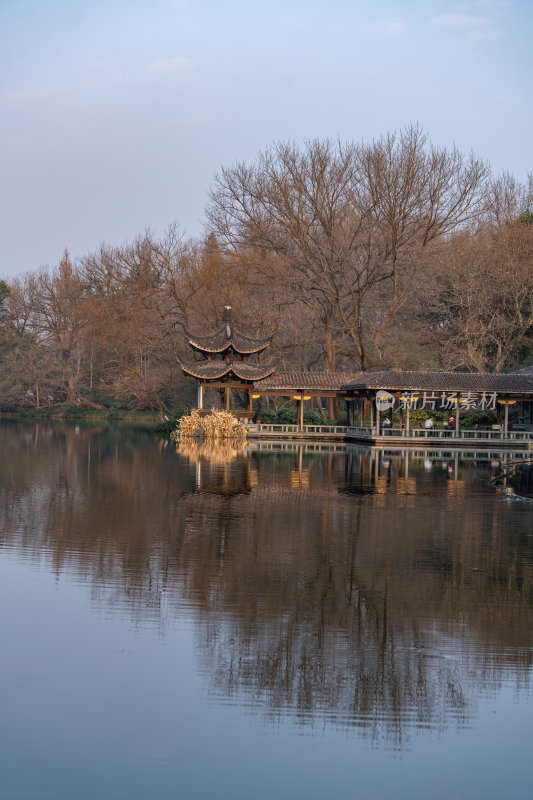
(370, 589)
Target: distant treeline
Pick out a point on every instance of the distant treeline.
(395, 253)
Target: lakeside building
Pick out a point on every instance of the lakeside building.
(228, 362)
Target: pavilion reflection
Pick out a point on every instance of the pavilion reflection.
(362, 590)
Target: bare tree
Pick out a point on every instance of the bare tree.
(351, 223)
(509, 199)
(142, 298)
(28, 370)
(481, 306)
(59, 319)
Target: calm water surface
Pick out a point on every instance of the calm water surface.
(259, 622)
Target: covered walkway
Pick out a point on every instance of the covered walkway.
(378, 395)
(383, 403)
(304, 386)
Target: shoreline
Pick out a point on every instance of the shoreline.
(46, 415)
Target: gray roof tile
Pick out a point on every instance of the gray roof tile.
(506, 383)
(217, 368)
(313, 381)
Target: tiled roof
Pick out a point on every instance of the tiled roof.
(227, 336)
(217, 368)
(508, 383)
(218, 342)
(312, 381)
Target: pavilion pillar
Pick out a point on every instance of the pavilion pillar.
(378, 420)
(372, 415)
(227, 396)
(457, 418)
(200, 396)
(250, 401)
(301, 413)
(407, 419)
(506, 418)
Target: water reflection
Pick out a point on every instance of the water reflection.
(382, 591)
(220, 467)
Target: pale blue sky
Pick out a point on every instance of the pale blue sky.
(115, 115)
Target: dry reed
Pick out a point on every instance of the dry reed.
(216, 425)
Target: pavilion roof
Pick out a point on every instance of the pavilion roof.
(508, 383)
(301, 381)
(218, 368)
(227, 337)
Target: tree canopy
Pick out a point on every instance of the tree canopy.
(390, 253)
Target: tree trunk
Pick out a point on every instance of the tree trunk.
(330, 363)
(320, 407)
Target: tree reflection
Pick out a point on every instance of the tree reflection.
(377, 592)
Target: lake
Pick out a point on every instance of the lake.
(267, 621)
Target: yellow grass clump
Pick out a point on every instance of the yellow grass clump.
(216, 425)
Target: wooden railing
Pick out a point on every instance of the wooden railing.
(339, 430)
(366, 432)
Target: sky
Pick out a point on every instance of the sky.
(116, 114)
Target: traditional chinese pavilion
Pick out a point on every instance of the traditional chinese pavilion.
(227, 361)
